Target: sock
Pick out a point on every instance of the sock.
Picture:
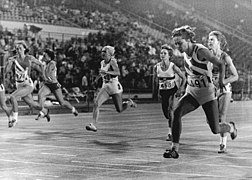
(15, 115)
(127, 102)
(224, 141)
(42, 113)
(221, 140)
(175, 146)
(73, 109)
(231, 128)
(169, 130)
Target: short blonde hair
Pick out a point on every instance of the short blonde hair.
(110, 49)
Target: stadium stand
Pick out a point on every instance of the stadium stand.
(136, 28)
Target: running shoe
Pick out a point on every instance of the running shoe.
(91, 127)
(233, 135)
(38, 117)
(132, 103)
(222, 148)
(12, 123)
(171, 153)
(47, 116)
(169, 137)
(75, 112)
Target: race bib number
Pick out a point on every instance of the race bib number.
(166, 84)
(198, 81)
(2, 87)
(107, 78)
(20, 77)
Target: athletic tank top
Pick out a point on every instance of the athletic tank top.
(199, 72)
(108, 67)
(50, 72)
(216, 73)
(166, 79)
(22, 69)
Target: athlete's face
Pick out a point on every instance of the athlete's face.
(180, 43)
(20, 48)
(164, 55)
(105, 54)
(46, 58)
(213, 42)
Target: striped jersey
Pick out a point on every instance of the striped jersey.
(199, 72)
(21, 69)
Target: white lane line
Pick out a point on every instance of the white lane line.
(244, 137)
(219, 165)
(138, 160)
(6, 150)
(110, 169)
(114, 164)
(151, 152)
(36, 175)
(184, 175)
(58, 154)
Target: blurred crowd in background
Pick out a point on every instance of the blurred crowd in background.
(78, 59)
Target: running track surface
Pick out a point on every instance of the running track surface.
(129, 145)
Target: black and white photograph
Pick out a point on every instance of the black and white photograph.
(125, 89)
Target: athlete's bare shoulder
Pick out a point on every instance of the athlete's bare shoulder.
(12, 58)
(113, 62)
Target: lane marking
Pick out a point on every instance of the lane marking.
(111, 169)
(37, 175)
(58, 154)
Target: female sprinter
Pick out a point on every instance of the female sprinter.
(111, 86)
(200, 90)
(164, 72)
(217, 43)
(22, 63)
(51, 85)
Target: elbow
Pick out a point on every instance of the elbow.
(118, 73)
(236, 77)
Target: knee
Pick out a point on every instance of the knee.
(222, 117)
(118, 110)
(62, 103)
(177, 112)
(38, 106)
(215, 130)
(95, 104)
(12, 98)
(167, 115)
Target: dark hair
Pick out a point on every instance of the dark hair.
(168, 48)
(50, 53)
(24, 45)
(220, 37)
(186, 32)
